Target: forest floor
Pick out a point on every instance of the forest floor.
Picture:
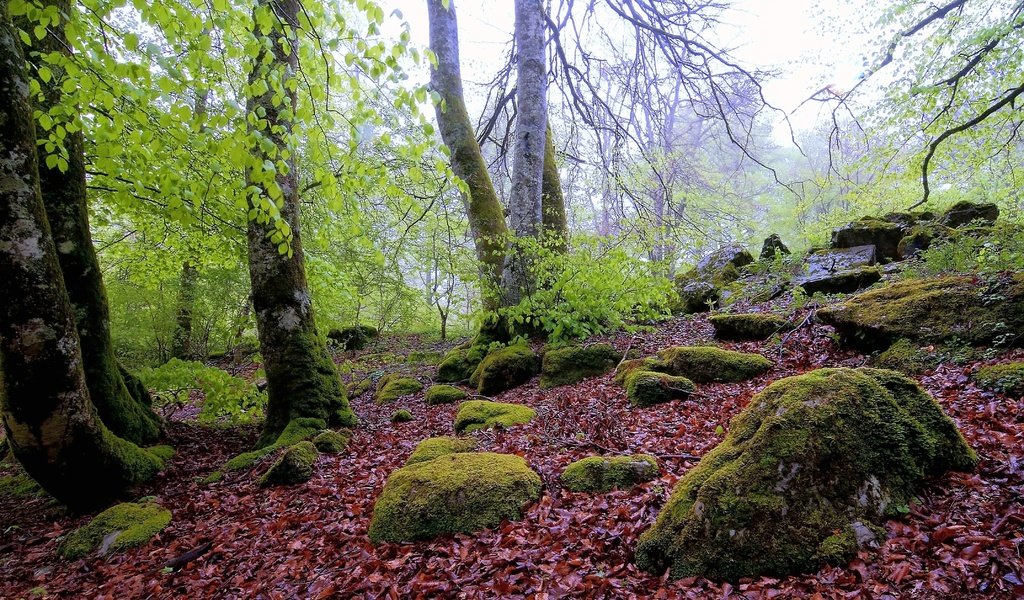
(963, 539)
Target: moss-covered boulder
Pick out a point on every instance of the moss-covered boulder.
(773, 247)
(393, 386)
(401, 415)
(906, 357)
(867, 231)
(120, 526)
(1007, 378)
(295, 465)
(695, 296)
(484, 414)
(718, 263)
(650, 363)
(606, 473)
(647, 388)
(453, 493)
(356, 337)
(752, 326)
(920, 237)
(932, 310)
(908, 220)
(431, 448)
(504, 369)
(460, 363)
(571, 364)
(965, 212)
(331, 442)
(443, 394)
(804, 476)
(707, 364)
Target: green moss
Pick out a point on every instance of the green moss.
(810, 456)
(214, 477)
(920, 238)
(460, 363)
(571, 364)
(443, 394)
(19, 485)
(401, 416)
(295, 465)
(119, 527)
(331, 442)
(906, 357)
(163, 452)
(393, 386)
(651, 363)
(1007, 378)
(483, 414)
(754, 326)
(358, 388)
(431, 448)
(505, 368)
(704, 364)
(296, 431)
(454, 493)
(424, 357)
(647, 388)
(603, 473)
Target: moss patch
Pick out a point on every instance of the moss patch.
(571, 364)
(906, 357)
(296, 431)
(704, 364)
(120, 526)
(443, 394)
(810, 456)
(504, 369)
(331, 442)
(647, 388)
(431, 448)
(19, 485)
(483, 414)
(401, 416)
(604, 473)
(651, 363)
(393, 386)
(463, 492)
(358, 388)
(163, 452)
(1007, 378)
(460, 363)
(295, 465)
(753, 326)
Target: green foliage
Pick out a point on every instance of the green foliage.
(604, 473)
(227, 398)
(973, 251)
(119, 527)
(1006, 378)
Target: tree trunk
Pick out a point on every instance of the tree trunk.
(181, 346)
(556, 229)
(52, 426)
(486, 217)
(301, 377)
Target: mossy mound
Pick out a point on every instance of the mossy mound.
(358, 388)
(19, 485)
(753, 326)
(920, 237)
(454, 493)
(647, 388)
(431, 448)
(650, 363)
(504, 369)
(295, 465)
(353, 338)
(296, 431)
(401, 416)
(805, 470)
(906, 357)
(572, 364)
(460, 363)
(1007, 378)
(426, 357)
(393, 386)
(443, 394)
(931, 310)
(965, 212)
(331, 442)
(883, 235)
(607, 473)
(695, 296)
(705, 364)
(483, 414)
(120, 526)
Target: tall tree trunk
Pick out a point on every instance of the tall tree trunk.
(301, 377)
(64, 198)
(525, 213)
(181, 346)
(486, 217)
(556, 229)
(51, 423)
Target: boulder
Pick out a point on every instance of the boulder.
(353, 338)
(773, 247)
(295, 465)
(707, 364)
(431, 448)
(965, 212)
(647, 388)
(839, 271)
(695, 296)
(331, 442)
(393, 386)
(571, 364)
(453, 493)
(401, 415)
(699, 290)
(840, 282)
(907, 220)
(504, 369)
(121, 526)
(606, 473)
(824, 262)
(883, 235)
(753, 326)
(920, 237)
(718, 263)
(806, 475)
(443, 394)
(459, 364)
(484, 414)
(1007, 378)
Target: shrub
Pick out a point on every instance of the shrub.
(227, 397)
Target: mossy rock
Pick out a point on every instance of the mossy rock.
(119, 527)
(296, 431)
(752, 326)
(813, 463)
(331, 442)
(295, 465)
(773, 247)
(695, 296)
(353, 338)
(393, 386)
(572, 364)
(965, 212)
(723, 264)
(453, 493)
(707, 364)
(883, 235)
(460, 363)
(1007, 378)
(931, 310)
(401, 416)
(443, 394)
(358, 388)
(504, 369)
(920, 237)
(431, 448)
(650, 363)
(19, 485)
(647, 388)
(483, 414)
(906, 357)
(606, 473)
(840, 282)
(163, 452)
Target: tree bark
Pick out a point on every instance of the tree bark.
(556, 228)
(181, 346)
(52, 426)
(301, 377)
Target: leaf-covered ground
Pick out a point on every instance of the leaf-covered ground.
(963, 539)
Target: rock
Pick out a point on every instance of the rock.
(443, 394)
(295, 465)
(431, 448)
(401, 415)
(353, 338)
(647, 388)
(932, 310)
(718, 262)
(453, 493)
(964, 212)
(706, 364)
(840, 282)
(483, 414)
(459, 364)
(920, 237)
(825, 262)
(571, 364)
(358, 388)
(331, 442)
(695, 296)
(804, 477)
(650, 363)
(883, 235)
(393, 386)
(504, 369)
(1007, 378)
(907, 220)
(906, 357)
(773, 247)
(606, 473)
(121, 526)
(753, 326)
(699, 290)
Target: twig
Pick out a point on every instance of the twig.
(785, 338)
(184, 559)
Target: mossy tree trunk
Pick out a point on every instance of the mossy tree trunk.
(52, 426)
(181, 345)
(301, 377)
(556, 228)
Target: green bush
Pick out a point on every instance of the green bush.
(973, 251)
(226, 397)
